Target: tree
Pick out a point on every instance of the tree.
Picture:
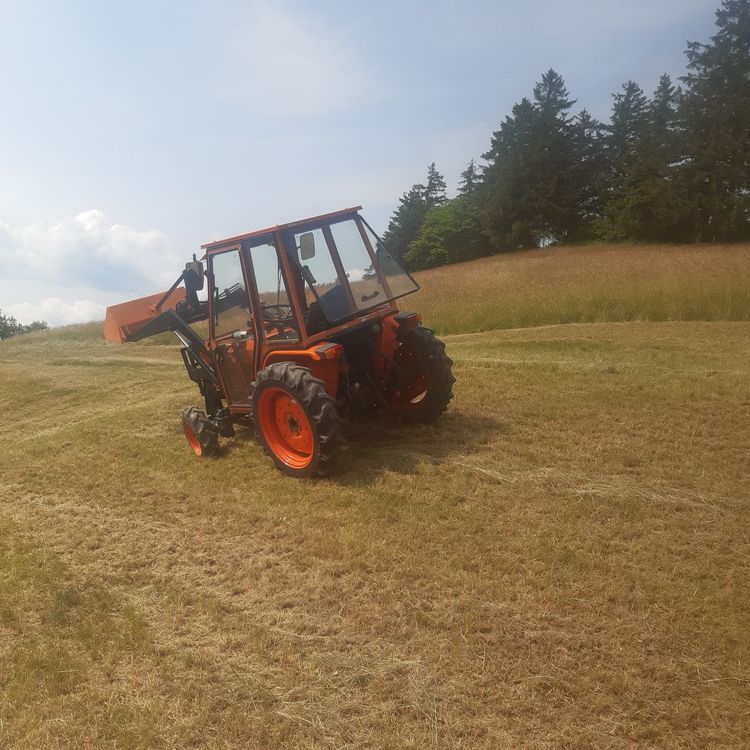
(9, 326)
(628, 125)
(469, 181)
(662, 136)
(674, 167)
(406, 221)
(589, 137)
(665, 210)
(551, 97)
(644, 202)
(449, 234)
(434, 193)
(534, 189)
(716, 120)
(507, 178)
(413, 206)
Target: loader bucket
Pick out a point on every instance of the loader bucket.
(126, 318)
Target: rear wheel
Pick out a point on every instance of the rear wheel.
(423, 379)
(296, 420)
(202, 434)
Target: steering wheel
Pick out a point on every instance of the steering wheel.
(277, 313)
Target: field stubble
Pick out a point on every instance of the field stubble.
(562, 562)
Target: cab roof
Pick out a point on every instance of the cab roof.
(289, 225)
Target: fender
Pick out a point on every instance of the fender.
(325, 360)
(395, 328)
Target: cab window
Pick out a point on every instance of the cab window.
(328, 300)
(367, 289)
(231, 310)
(273, 295)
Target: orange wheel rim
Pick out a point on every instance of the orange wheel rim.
(192, 439)
(286, 428)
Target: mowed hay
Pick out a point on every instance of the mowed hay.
(561, 562)
(593, 283)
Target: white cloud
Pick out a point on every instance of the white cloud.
(289, 65)
(63, 271)
(57, 312)
(88, 249)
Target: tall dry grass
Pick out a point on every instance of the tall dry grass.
(587, 284)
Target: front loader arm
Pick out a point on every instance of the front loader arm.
(135, 320)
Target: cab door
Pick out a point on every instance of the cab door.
(232, 326)
(276, 315)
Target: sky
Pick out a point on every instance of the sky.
(132, 132)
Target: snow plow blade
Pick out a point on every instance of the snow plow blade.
(123, 320)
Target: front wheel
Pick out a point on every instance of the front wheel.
(201, 433)
(422, 380)
(296, 420)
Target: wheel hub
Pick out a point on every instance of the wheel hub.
(286, 427)
(292, 424)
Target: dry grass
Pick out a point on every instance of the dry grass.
(562, 562)
(590, 284)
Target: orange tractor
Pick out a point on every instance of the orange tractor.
(303, 332)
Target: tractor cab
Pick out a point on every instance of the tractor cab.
(309, 277)
(303, 331)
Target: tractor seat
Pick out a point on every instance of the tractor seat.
(315, 320)
(333, 306)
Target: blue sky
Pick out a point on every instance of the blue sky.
(132, 132)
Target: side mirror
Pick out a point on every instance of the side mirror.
(193, 275)
(307, 245)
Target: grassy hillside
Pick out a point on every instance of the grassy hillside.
(588, 284)
(562, 562)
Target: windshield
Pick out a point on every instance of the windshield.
(350, 270)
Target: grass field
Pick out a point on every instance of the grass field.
(564, 561)
(588, 284)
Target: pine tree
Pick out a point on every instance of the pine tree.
(551, 99)
(628, 125)
(663, 120)
(434, 193)
(663, 206)
(558, 188)
(406, 221)
(508, 178)
(645, 201)
(470, 180)
(592, 168)
(413, 207)
(622, 218)
(716, 120)
(533, 191)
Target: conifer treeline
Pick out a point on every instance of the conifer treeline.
(671, 168)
